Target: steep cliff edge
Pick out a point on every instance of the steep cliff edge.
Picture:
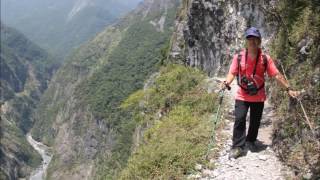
(174, 124)
(79, 114)
(25, 72)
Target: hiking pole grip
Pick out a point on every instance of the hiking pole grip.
(227, 85)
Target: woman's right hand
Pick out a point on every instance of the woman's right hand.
(224, 85)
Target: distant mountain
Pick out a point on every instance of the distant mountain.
(25, 72)
(60, 26)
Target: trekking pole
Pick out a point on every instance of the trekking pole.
(301, 105)
(308, 121)
(216, 119)
(306, 117)
(303, 109)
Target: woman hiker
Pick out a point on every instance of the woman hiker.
(249, 67)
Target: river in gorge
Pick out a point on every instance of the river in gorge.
(43, 150)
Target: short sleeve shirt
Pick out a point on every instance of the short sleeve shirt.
(247, 70)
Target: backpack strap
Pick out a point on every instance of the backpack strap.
(239, 70)
(265, 62)
(239, 61)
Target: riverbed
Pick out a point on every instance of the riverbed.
(43, 150)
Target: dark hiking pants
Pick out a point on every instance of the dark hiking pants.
(239, 129)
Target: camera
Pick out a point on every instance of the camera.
(251, 87)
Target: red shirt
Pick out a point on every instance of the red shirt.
(248, 71)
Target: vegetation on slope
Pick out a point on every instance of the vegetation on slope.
(297, 48)
(99, 76)
(176, 137)
(88, 58)
(25, 72)
(130, 63)
(135, 58)
(17, 53)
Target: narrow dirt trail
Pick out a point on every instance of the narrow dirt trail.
(261, 165)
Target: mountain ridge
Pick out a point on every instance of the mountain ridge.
(60, 26)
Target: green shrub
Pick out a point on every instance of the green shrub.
(176, 142)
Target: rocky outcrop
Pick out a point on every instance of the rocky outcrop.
(209, 32)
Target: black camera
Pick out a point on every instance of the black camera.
(251, 87)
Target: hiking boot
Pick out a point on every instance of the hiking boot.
(252, 146)
(236, 152)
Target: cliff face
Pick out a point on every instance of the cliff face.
(79, 114)
(25, 72)
(208, 33)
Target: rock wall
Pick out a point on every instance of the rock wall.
(209, 32)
